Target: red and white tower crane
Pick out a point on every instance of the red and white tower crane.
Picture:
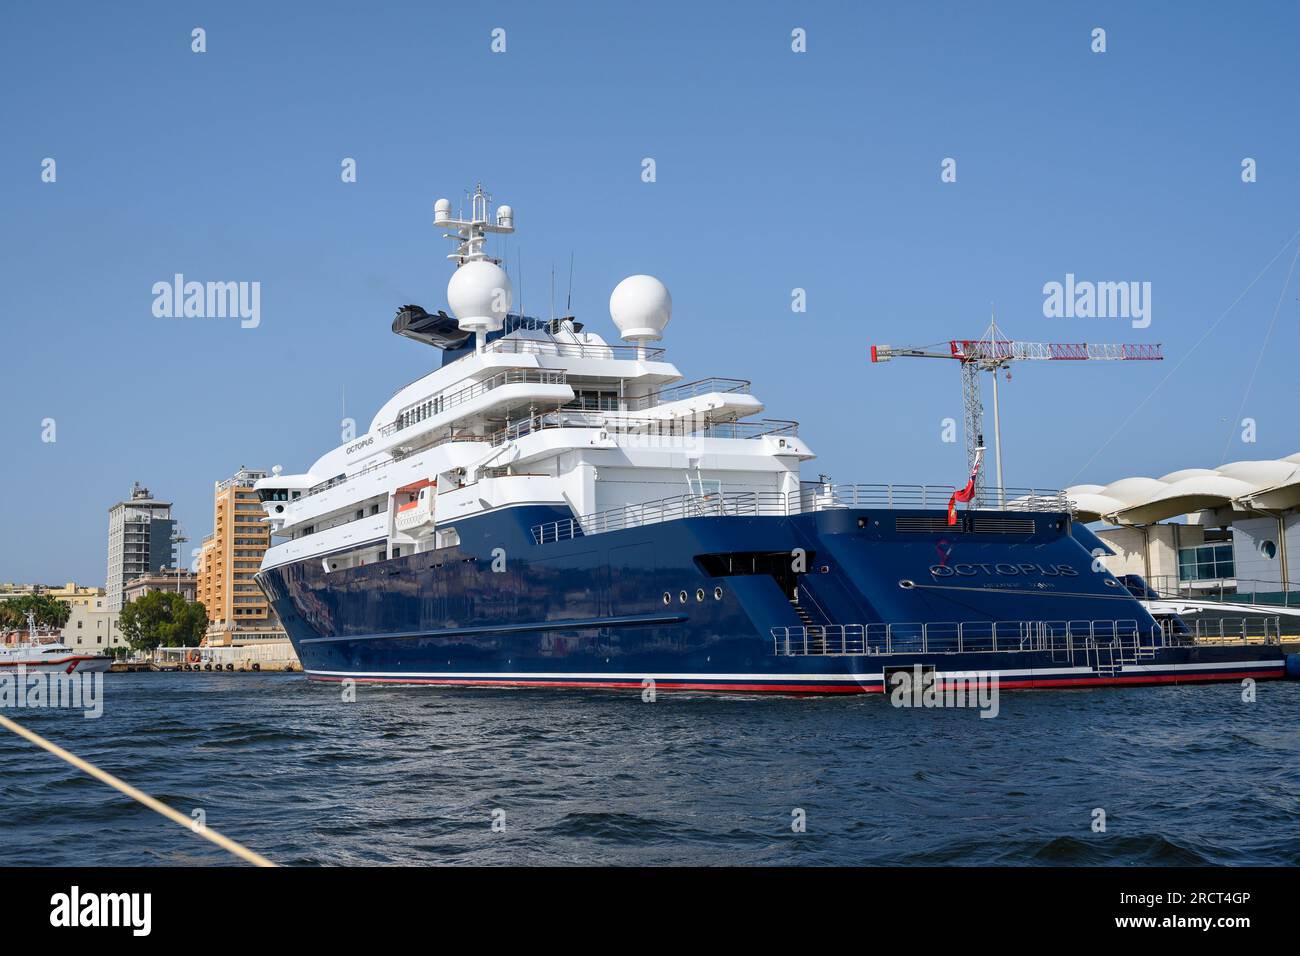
(994, 352)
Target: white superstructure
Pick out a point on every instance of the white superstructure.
(547, 413)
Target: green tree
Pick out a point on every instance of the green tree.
(162, 618)
(49, 611)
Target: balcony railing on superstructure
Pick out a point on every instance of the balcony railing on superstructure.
(754, 504)
(521, 346)
(705, 386)
(436, 405)
(616, 424)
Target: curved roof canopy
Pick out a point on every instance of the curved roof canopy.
(1240, 485)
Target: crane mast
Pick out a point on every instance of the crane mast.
(993, 353)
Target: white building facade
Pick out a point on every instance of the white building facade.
(1231, 529)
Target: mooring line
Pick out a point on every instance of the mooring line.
(239, 850)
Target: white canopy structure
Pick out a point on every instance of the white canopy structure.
(1245, 486)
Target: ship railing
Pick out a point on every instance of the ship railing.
(730, 505)
(654, 429)
(1123, 641)
(808, 499)
(543, 421)
(763, 427)
(1224, 630)
(1230, 590)
(437, 404)
(616, 426)
(705, 386)
(621, 428)
(520, 346)
(821, 497)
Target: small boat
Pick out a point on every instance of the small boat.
(49, 656)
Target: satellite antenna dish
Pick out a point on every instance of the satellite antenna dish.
(641, 309)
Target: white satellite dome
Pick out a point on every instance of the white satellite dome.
(641, 307)
(480, 294)
(441, 211)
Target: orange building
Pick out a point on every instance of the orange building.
(230, 556)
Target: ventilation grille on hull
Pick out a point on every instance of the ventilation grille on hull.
(925, 525)
(1004, 525)
(919, 524)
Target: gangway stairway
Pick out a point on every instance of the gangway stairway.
(1112, 655)
(812, 617)
(805, 618)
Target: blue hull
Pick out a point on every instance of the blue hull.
(692, 603)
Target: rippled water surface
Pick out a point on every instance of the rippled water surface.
(1185, 775)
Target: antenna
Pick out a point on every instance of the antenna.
(552, 290)
(568, 299)
(479, 291)
(471, 234)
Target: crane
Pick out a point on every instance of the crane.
(993, 353)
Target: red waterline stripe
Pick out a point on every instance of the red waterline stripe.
(1147, 679)
(630, 684)
(847, 687)
(61, 660)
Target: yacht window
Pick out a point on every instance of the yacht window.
(595, 399)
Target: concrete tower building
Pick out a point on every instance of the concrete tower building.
(229, 558)
(140, 532)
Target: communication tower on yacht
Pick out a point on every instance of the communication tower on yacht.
(479, 292)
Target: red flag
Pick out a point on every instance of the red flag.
(967, 493)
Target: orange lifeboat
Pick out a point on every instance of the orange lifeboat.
(415, 513)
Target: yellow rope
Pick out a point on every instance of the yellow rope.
(243, 852)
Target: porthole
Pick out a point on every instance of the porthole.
(1268, 549)
(699, 594)
(1111, 583)
(668, 598)
(906, 585)
(717, 594)
(681, 596)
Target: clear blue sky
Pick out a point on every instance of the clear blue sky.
(775, 171)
